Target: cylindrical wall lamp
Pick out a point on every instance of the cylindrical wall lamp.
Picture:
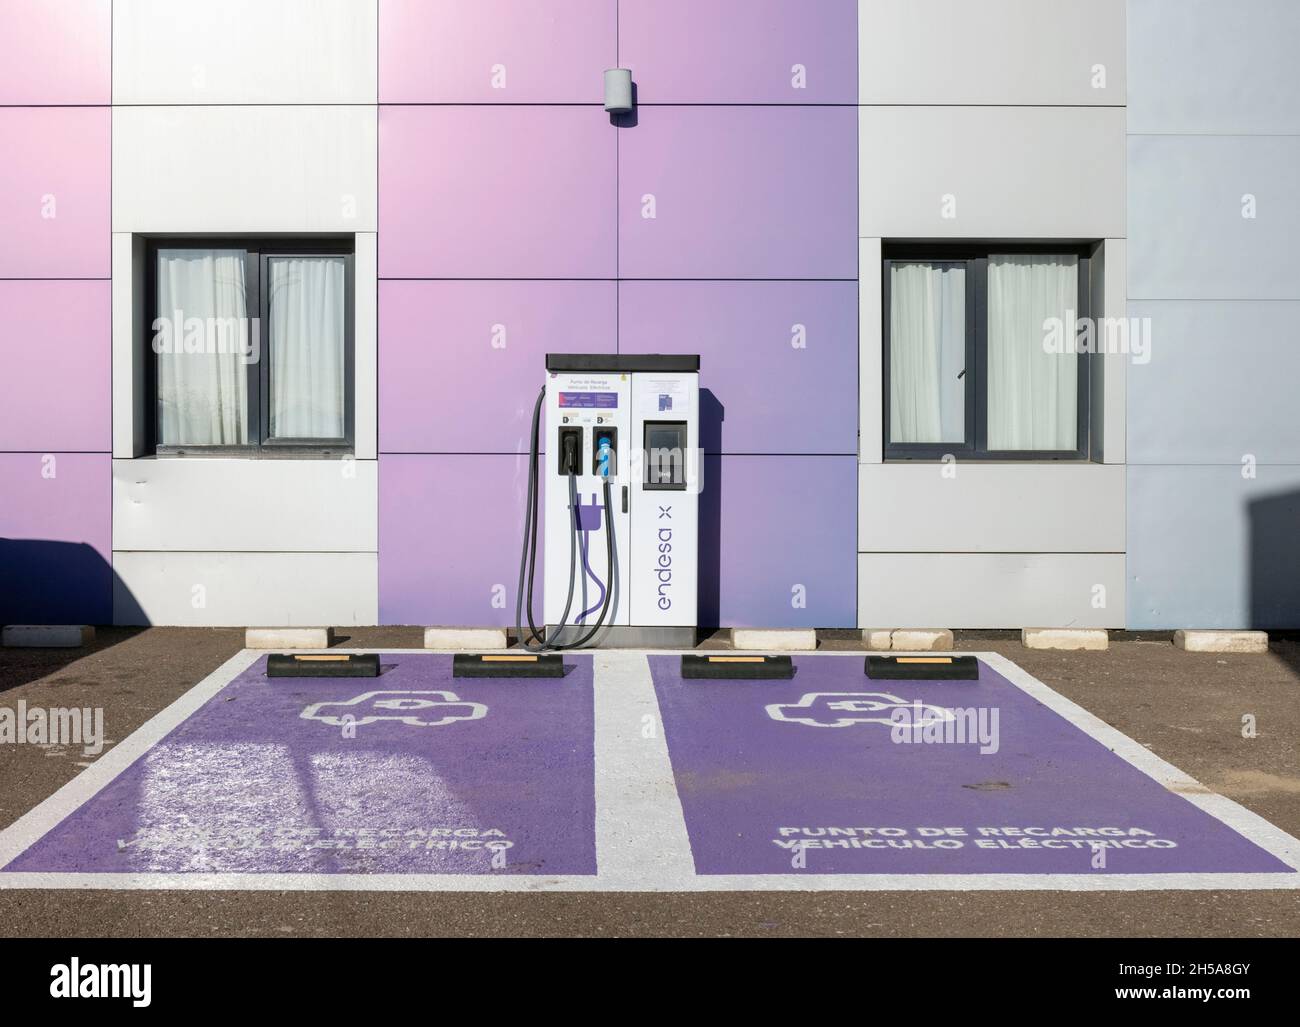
(618, 91)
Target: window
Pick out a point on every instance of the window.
(252, 346)
(980, 355)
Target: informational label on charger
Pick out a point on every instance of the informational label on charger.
(663, 396)
(589, 400)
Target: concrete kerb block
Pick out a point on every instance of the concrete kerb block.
(288, 638)
(778, 639)
(475, 639)
(46, 636)
(1093, 639)
(1218, 641)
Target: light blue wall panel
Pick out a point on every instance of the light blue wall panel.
(1187, 236)
(1220, 383)
(1214, 66)
(1208, 548)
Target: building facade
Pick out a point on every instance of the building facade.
(861, 214)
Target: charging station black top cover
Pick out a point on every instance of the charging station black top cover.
(625, 363)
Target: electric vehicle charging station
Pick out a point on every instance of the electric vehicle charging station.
(621, 477)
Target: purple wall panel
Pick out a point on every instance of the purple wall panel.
(496, 192)
(449, 534)
(54, 201)
(55, 538)
(740, 51)
(495, 51)
(775, 523)
(55, 52)
(55, 345)
(763, 395)
(739, 192)
(461, 362)
(449, 531)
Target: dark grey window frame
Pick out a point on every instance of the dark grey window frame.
(975, 258)
(257, 253)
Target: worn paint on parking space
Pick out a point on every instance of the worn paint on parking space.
(413, 772)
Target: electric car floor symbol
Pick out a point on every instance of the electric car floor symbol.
(843, 709)
(418, 709)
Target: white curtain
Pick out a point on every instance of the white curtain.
(307, 347)
(1032, 391)
(927, 353)
(202, 373)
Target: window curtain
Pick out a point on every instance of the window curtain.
(1033, 396)
(927, 353)
(307, 329)
(202, 373)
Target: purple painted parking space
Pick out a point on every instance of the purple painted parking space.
(413, 772)
(774, 773)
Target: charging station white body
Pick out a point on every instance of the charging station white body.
(648, 409)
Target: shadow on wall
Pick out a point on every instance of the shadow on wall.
(1275, 572)
(48, 582)
(712, 414)
(1275, 561)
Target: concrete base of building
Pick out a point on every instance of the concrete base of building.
(288, 638)
(912, 640)
(1195, 641)
(46, 636)
(774, 638)
(1065, 638)
(465, 638)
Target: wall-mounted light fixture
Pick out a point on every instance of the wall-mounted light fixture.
(618, 91)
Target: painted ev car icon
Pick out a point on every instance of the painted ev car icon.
(418, 709)
(842, 709)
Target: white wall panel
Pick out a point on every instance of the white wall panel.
(244, 51)
(1012, 172)
(990, 52)
(129, 354)
(246, 589)
(989, 590)
(991, 508)
(871, 368)
(269, 505)
(244, 169)
(365, 440)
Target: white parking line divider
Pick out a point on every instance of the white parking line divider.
(641, 839)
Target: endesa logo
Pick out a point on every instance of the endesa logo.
(664, 565)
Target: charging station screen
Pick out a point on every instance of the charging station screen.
(589, 400)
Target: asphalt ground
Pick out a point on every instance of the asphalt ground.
(1187, 708)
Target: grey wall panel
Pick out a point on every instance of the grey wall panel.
(1187, 236)
(285, 169)
(1214, 66)
(991, 508)
(242, 505)
(1220, 384)
(246, 589)
(1209, 548)
(245, 51)
(990, 590)
(1011, 172)
(993, 52)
